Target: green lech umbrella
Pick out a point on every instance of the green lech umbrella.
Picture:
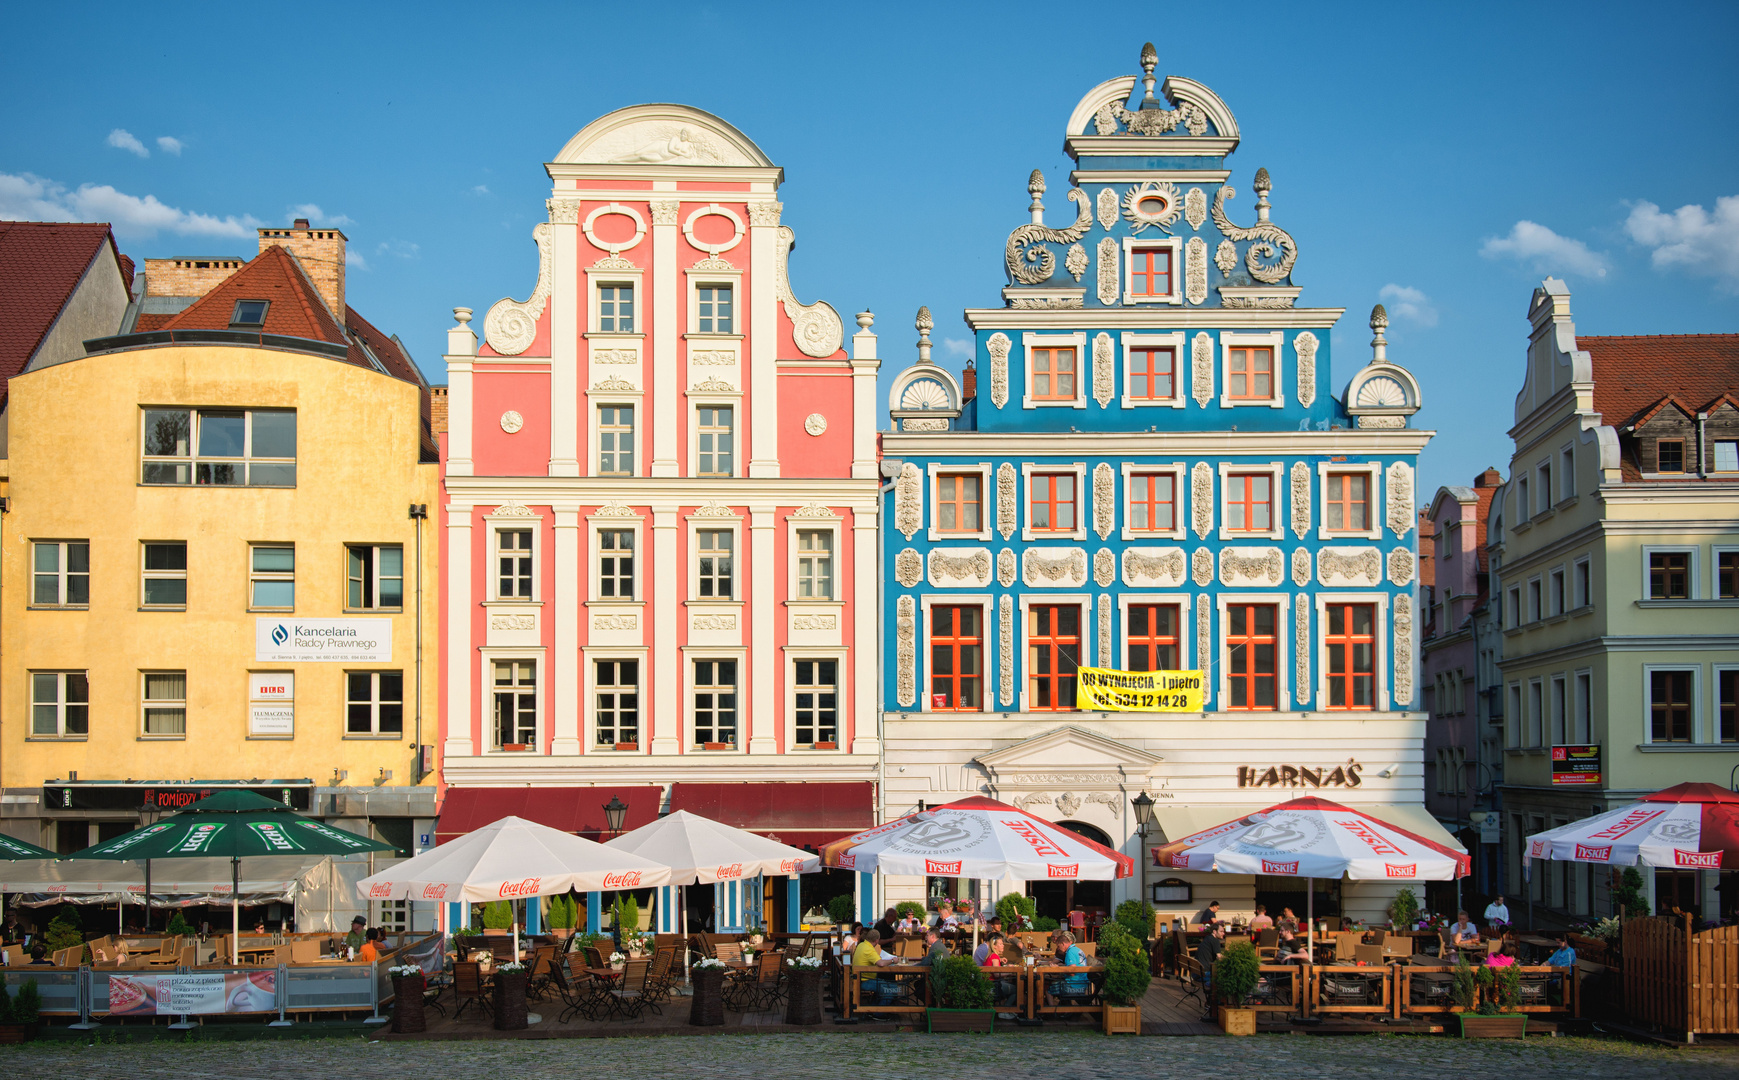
(11, 850)
(237, 824)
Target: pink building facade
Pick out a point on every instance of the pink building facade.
(660, 519)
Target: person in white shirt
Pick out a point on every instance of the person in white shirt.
(1496, 911)
(1463, 932)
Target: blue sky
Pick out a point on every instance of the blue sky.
(1439, 158)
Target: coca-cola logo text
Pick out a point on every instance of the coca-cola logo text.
(791, 866)
(1065, 870)
(1593, 854)
(734, 870)
(528, 887)
(931, 866)
(1286, 869)
(434, 892)
(1701, 860)
(628, 879)
(1401, 869)
(380, 890)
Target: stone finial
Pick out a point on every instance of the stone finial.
(1149, 59)
(1379, 343)
(866, 319)
(924, 323)
(1262, 186)
(462, 314)
(1035, 186)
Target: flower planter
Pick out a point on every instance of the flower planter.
(627, 746)
(510, 1009)
(408, 1014)
(1237, 1021)
(12, 1034)
(803, 1001)
(1475, 1026)
(517, 747)
(708, 1004)
(826, 746)
(961, 1019)
(1122, 1019)
(715, 746)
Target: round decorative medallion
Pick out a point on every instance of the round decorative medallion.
(511, 421)
(1153, 203)
(815, 423)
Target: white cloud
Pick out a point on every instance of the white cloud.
(24, 197)
(318, 216)
(957, 347)
(1409, 303)
(1545, 251)
(353, 258)
(169, 144)
(404, 249)
(122, 139)
(480, 189)
(1691, 238)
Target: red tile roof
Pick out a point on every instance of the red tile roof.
(1633, 374)
(40, 266)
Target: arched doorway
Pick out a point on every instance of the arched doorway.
(1057, 898)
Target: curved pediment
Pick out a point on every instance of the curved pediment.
(1067, 754)
(661, 135)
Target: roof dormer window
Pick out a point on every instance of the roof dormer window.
(249, 313)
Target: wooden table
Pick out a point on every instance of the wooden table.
(855, 975)
(1036, 975)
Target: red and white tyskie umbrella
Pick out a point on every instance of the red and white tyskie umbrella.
(977, 838)
(1315, 838)
(1687, 826)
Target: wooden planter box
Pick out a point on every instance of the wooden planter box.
(11, 1034)
(707, 1006)
(803, 1004)
(715, 746)
(1474, 1026)
(510, 1008)
(516, 746)
(826, 746)
(627, 746)
(961, 1019)
(1237, 1021)
(1122, 1019)
(408, 1014)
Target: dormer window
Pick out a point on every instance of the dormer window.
(1670, 455)
(249, 314)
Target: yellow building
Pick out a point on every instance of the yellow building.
(215, 559)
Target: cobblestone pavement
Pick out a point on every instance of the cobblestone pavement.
(882, 1056)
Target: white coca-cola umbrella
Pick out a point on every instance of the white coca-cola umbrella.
(513, 859)
(1314, 838)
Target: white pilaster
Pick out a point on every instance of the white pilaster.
(762, 591)
(660, 593)
(665, 414)
(564, 350)
(864, 644)
(565, 688)
(762, 389)
(460, 653)
(864, 367)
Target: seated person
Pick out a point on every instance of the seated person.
(851, 938)
(1261, 920)
(370, 951)
(909, 924)
(1075, 988)
(869, 953)
(886, 924)
(1209, 915)
(39, 954)
(1288, 920)
(1208, 951)
(1565, 956)
(980, 954)
(945, 916)
(1463, 932)
(935, 948)
(994, 959)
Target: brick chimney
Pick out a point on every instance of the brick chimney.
(968, 383)
(321, 253)
(1489, 478)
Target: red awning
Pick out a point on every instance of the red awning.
(577, 810)
(802, 815)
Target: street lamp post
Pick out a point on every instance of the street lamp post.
(614, 811)
(1143, 805)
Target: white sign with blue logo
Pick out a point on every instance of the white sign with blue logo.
(300, 641)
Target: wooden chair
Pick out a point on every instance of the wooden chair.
(629, 993)
(538, 983)
(1267, 944)
(661, 976)
(1370, 955)
(765, 983)
(576, 994)
(469, 988)
(731, 952)
(1345, 941)
(595, 957)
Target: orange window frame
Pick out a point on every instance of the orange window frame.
(1142, 648)
(1347, 503)
(1150, 503)
(1054, 365)
(1351, 672)
(1241, 491)
(1147, 268)
(1042, 493)
(1145, 373)
(1053, 658)
(960, 502)
(1245, 668)
(1245, 365)
(958, 647)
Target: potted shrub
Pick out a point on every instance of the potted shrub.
(1126, 977)
(841, 909)
(511, 1013)
(1235, 975)
(1500, 986)
(625, 913)
(564, 911)
(498, 916)
(1463, 986)
(916, 910)
(13, 1027)
(407, 1003)
(964, 995)
(1404, 909)
(179, 926)
(707, 1006)
(803, 981)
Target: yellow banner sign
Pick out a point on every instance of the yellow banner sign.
(1109, 690)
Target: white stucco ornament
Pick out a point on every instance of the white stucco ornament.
(815, 423)
(511, 421)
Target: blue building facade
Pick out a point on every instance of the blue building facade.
(1144, 467)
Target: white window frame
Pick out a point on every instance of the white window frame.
(987, 496)
(61, 574)
(1543, 487)
(1558, 719)
(1179, 356)
(1275, 340)
(192, 460)
(1515, 722)
(794, 527)
(1524, 500)
(697, 653)
(1374, 471)
(1557, 590)
(1582, 583)
(146, 704)
(589, 736)
(1583, 703)
(406, 705)
(792, 659)
(1174, 245)
(1713, 471)
(1715, 553)
(599, 280)
(1120, 632)
(1380, 659)
(1023, 606)
(616, 399)
(1713, 734)
(734, 526)
(269, 576)
(488, 657)
(1283, 658)
(1182, 496)
(1083, 499)
(713, 279)
(373, 581)
(1515, 606)
(1697, 691)
(1534, 731)
(1278, 504)
(1535, 594)
(497, 526)
(1083, 369)
(717, 399)
(1566, 472)
(1693, 567)
(986, 603)
(595, 555)
(184, 575)
(60, 704)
